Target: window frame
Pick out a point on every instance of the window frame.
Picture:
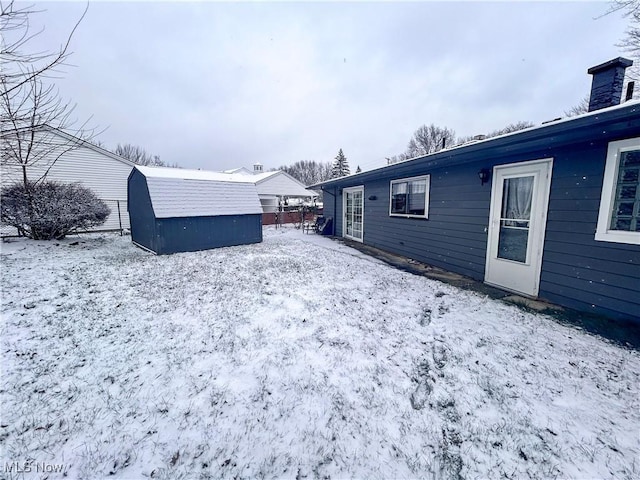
(427, 179)
(607, 195)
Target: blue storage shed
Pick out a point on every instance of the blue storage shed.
(550, 212)
(175, 210)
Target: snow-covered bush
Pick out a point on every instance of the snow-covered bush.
(51, 210)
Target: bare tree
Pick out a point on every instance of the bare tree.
(98, 143)
(631, 41)
(430, 139)
(139, 156)
(20, 66)
(397, 158)
(36, 127)
(308, 172)
(34, 137)
(30, 110)
(136, 154)
(33, 117)
(580, 108)
(512, 127)
(426, 140)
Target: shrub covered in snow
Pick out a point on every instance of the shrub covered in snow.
(51, 210)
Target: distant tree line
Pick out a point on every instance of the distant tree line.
(311, 172)
(308, 172)
(139, 156)
(431, 138)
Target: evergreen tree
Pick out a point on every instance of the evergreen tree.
(358, 170)
(340, 167)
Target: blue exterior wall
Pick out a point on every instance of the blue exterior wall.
(142, 219)
(329, 200)
(189, 234)
(453, 237)
(577, 271)
(185, 234)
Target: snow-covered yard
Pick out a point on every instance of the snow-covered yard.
(297, 357)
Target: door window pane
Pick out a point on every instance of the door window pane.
(512, 244)
(353, 214)
(349, 216)
(513, 238)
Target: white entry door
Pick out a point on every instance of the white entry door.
(353, 208)
(517, 222)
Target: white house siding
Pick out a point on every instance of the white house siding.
(104, 175)
(272, 186)
(281, 184)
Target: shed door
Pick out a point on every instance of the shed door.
(353, 208)
(518, 217)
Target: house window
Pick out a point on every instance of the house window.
(619, 217)
(410, 197)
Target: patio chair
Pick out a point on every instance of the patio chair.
(314, 225)
(325, 227)
(310, 225)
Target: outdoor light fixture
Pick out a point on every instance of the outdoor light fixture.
(484, 175)
(372, 197)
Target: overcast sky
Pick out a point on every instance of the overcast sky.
(224, 85)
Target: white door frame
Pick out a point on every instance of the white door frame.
(345, 192)
(516, 276)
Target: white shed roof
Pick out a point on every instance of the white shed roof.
(186, 174)
(177, 192)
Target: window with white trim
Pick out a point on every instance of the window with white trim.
(619, 216)
(409, 197)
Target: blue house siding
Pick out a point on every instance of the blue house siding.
(453, 236)
(188, 234)
(577, 271)
(329, 201)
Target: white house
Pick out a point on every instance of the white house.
(68, 159)
(274, 187)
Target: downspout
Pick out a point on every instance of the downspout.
(335, 211)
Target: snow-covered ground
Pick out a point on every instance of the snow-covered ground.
(295, 358)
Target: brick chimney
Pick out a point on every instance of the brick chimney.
(606, 86)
